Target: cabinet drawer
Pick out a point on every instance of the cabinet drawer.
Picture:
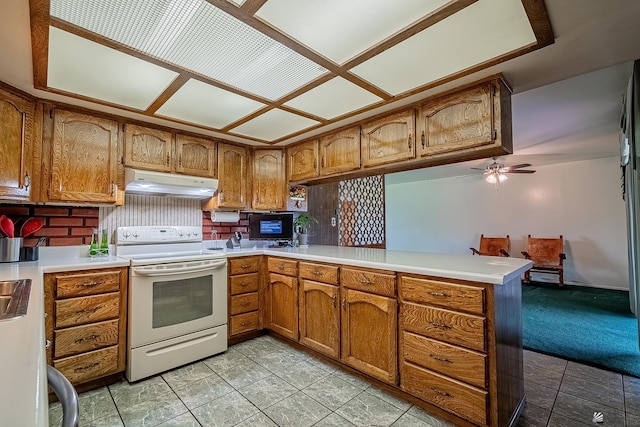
(444, 294)
(244, 303)
(456, 362)
(466, 330)
(87, 284)
(85, 338)
(244, 323)
(282, 266)
(319, 272)
(377, 282)
(244, 265)
(88, 366)
(244, 283)
(454, 396)
(78, 311)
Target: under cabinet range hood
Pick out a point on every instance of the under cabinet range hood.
(167, 184)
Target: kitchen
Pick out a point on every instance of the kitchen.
(69, 230)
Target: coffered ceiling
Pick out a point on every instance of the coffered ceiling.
(271, 71)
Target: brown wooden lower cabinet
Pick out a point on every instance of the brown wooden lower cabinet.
(320, 317)
(86, 322)
(454, 345)
(244, 295)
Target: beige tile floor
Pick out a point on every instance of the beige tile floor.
(265, 382)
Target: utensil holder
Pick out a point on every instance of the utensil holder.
(29, 253)
(10, 249)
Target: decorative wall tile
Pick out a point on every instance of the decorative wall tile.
(361, 220)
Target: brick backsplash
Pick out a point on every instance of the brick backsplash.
(63, 226)
(225, 229)
(69, 226)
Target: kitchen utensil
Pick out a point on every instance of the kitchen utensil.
(30, 226)
(40, 241)
(6, 225)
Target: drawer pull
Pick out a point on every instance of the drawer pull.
(440, 294)
(47, 343)
(86, 367)
(245, 266)
(440, 359)
(244, 284)
(281, 267)
(440, 325)
(317, 273)
(366, 281)
(440, 392)
(245, 323)
(244, 303)
(89, 338)
(90, 284)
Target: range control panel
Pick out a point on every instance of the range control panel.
(157, 234)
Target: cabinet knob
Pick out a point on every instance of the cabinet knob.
(424, 140)
(409, 143)
(27, 180)
(439, 294)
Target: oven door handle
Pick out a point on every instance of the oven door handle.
(178, 270)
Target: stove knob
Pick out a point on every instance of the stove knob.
(135, 234)
(126, 234)
(196, 233)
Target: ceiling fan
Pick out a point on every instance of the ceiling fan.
(496, 172)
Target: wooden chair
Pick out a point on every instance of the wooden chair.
(493, 246)
(547, 255)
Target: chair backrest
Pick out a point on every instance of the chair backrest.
(545, 249)
(491, 245)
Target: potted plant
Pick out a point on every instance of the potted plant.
(302, 223)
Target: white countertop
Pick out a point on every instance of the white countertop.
(23, 389)
(493, 270)
(23, 392)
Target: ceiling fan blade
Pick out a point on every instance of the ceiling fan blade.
(523, 165)
(521, 171)
(479, 169)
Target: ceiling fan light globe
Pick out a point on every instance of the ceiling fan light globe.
(502, 177)
(491, 178)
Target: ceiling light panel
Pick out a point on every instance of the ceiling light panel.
(478, 33)
(207, 105)
(333, 98)
(79, 66)
(274, 124)
(195, 35)
(339, 29)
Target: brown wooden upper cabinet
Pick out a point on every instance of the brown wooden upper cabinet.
(458, 121)
(16, 137)
(389, 139)
(84, 158)
(159, 150)
(147, 148)
(195, 156)
(302, 161)
(340, 152)
(233, 179)
(269, 183)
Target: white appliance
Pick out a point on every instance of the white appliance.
(168, 184)
(177, 298)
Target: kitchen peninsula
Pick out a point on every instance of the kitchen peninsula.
(420, 305)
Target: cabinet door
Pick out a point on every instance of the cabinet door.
(389, 139)
(340, 152)
(302, 161)
(461, 120)
(232, 176)
(195, 156)
(16, 133)
(146, 148)
(84, 158)
(369, 334)
(282, 305)
(268, 180)
(320, 317)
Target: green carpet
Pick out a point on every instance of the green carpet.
(587, 325)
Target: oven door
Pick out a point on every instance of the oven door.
(170, 300)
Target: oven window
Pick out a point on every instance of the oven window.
(182, 300)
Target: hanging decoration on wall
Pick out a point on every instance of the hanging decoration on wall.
(297, 199)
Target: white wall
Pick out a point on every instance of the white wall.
(580, 200)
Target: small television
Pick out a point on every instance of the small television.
(270, 226)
